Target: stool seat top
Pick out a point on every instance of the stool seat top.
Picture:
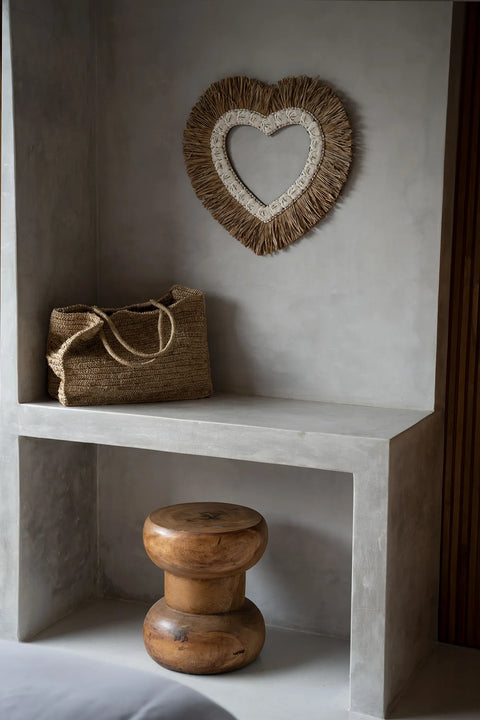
(205, 518)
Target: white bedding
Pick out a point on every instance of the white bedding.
(44, 684)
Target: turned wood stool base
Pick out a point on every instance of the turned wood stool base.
(204, 624)
(203, 644)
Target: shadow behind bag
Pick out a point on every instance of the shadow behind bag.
(147, 352)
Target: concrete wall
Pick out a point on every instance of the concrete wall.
(347, 314)
(304, 577)
(48, 259)
(53, 66)
(58, 531)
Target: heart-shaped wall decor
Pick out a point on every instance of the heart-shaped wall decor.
(237, 101)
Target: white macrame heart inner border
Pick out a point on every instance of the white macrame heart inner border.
(268, 125)
(303, 101)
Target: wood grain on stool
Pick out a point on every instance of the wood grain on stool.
(204, 624)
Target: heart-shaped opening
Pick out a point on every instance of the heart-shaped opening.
(269, 125)
(268, 165)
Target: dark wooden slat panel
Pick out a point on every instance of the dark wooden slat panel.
(460, 572)
(469, 580)
(473, 584)
(452, 490)
(468, 321)
(448, 569)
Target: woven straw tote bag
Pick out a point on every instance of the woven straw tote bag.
(148, 352)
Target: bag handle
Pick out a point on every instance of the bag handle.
(150, 356)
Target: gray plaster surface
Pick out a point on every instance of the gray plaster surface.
(303, 580)
(396, 539)
(415, 498)
(58, 531)
(9, 490)
(296, 675)
(356, 421)
(48, 233)
(96, 205)
(286, 432)
(348, 314)
(377, 610)
(9, 536)
(53, 98)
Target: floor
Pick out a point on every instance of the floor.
(297, 675)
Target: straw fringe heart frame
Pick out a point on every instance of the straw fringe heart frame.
(237, 101)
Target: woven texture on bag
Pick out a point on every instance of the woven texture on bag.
(82, 372)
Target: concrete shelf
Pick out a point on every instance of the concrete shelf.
(287, 432)
(390, 453)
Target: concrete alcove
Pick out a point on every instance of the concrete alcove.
(339, 330)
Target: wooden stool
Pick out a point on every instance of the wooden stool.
(204, 624)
